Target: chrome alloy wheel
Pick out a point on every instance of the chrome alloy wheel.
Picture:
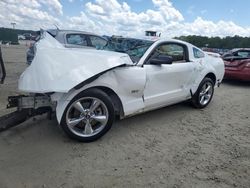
(206, 93)
(87, 116)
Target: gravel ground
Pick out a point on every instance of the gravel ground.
(176, 146)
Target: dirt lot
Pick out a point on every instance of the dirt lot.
(176, 146)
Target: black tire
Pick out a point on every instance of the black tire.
(105, 99)
(196, 100)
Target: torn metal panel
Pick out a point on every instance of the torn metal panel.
(59, 69)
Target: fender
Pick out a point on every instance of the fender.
(120, 80)
(79, 86)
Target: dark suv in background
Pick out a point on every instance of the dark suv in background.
(71, 39)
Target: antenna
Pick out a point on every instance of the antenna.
(56, 27)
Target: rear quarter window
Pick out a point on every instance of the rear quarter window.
(198, 53)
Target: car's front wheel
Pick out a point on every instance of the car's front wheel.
(204, 93)
(88, 116)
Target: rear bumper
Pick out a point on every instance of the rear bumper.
(243, 75)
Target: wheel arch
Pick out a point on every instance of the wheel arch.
(64, 99)
(211, 76)
(114, 97)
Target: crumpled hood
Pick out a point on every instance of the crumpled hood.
(59, 69)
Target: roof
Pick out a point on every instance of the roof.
(237, 49)
(54, 32)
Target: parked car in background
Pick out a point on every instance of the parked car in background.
(21, 37)
(215, 50)
(127, 45)
(87, 89)
(29, 36)
(237, 64)
(71, 39)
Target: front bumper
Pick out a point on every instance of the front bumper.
(27, 107)
(36, 104)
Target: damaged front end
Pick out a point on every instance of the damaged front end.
(26, 106)
(59, 69)
(55, 69)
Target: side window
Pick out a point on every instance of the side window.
(244, 54)
(176, 51)
(198, 53)
(76, 39)
(97, 42)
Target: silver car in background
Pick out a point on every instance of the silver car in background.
(71, 39)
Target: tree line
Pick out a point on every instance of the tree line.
(7, 34)
(11, 35)
(217, 42)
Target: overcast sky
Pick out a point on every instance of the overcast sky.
(131, 17)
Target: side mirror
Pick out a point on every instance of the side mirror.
(161, 59)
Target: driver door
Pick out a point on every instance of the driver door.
(168, 83)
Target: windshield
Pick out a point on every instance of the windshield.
(135, 48)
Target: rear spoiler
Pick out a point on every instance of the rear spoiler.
(2, 68)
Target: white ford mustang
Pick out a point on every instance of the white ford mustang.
(89, 88)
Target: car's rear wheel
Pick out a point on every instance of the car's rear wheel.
(204, 93)
(88, 116)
